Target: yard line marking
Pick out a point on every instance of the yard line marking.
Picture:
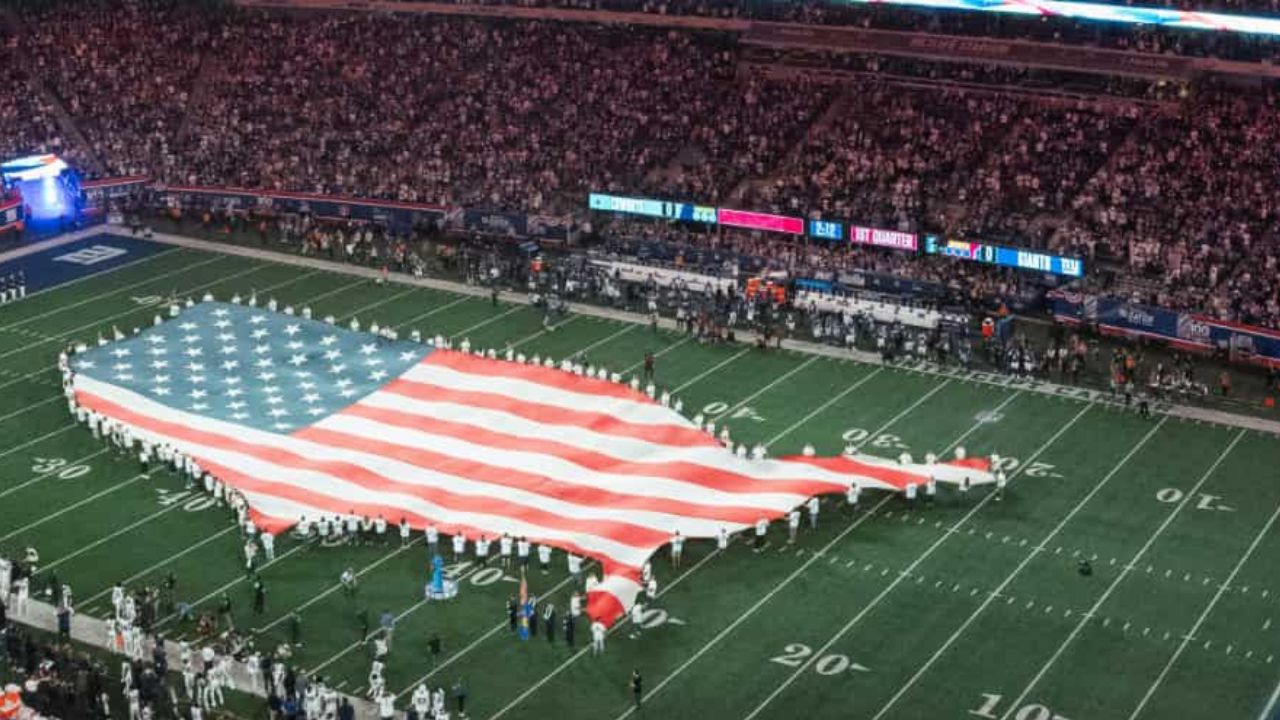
(163, 253)
(711, 370)
(379, 303)
(1018, 570)
(774, 383)
(818, 410)
(495, 318)
(826, 548)
(33, 405)
(51, 473)
(166, 561)
(33, 441)
(573, 658)
(117, 316)
(71, 507)
(661, 352)
(614, 336)
(130, 311)
(114, 291)
(433, 311)
(1257, 540)
(476, 567)
(295, 549)
(499, 626)
(544, 331)
(911, 568)
(336, 586)
(1119, 578)
(108, 538)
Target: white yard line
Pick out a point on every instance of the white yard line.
(107, 320)
(495, 318)
(712, 369)
(544, 331)
(660, 353)
(433, 311)
(822, 408)
(71, 507)
(51, 473)
(94, 276)
(875, 602)
(108, 538)
(816, 556)
(610, 338)
(336, 586)
(1271, 704)
(32, 406)
(776, 381)
(991, 596)
(113, 291)
(380, 303)
(529, 691)
(1222, 589)
(33, 441)
(587, 646)
(166, 561)
(202, 600)
(1084, 618)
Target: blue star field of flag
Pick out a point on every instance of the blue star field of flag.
(267, 370)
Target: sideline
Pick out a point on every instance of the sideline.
(1186, 412)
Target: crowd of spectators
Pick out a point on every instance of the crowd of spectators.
(1159, 181)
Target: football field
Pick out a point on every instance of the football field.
(971, 606)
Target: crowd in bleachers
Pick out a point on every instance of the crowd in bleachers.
(1158, 181)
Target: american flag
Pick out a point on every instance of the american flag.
(307, 419)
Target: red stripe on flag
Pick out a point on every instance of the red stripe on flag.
(551, 377)
(700, 475)
(672, 434)
(624, 533)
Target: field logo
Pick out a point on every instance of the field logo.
(989, 416)
(92, 255)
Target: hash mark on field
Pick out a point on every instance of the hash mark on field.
(1067, 613)
(851, 563)
(1146, 631)
(1266, 625)
(1248, 655)
(1166, 635)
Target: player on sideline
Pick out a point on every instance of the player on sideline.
(482, 551)
(268, 545)
(522, 552)
(575, 568)
(814, 506)
(404, 532)
(504, 550)
(459, 546)
(762, 527)
(677, 549)
(722, 539)
(1001, 481)
(851, 497)
(433, 541)
(597, 637)
(793, 525)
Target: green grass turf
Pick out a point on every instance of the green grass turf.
(971, 607)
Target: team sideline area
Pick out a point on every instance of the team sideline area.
(1126, 570)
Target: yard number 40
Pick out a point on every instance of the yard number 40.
(1030, 711)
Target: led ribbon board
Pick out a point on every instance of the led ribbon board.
(1100, 12)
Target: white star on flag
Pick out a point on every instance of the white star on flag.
(266, 376)
(259, 333)
(161, 391)
(198, 407)
(377, 375)
(222, 324)
(191, 339)
(121, 367)
(194, 352)
(234, 392)
(329, 340)
(239, 416)
(155, 339)
(226, 337)
(196, 379)
(158, 351)
(124, 377)
(121, 352)
(302, 373)
(86, 364)
(230, 365)
(332, 354)
(237, 404)
(306, 385)
(160, 364)
(368, 349)
(295, 345)
(347, 392)
(262, 349)
(197, 394)
(257, 319)
(228, 350)
(231, 380)
(342, 382)
(264, 362)
(373, 362)
(407, 355)
(195, 367)
(160, 379)
(337, 369)
(292, 330)
(221, 312)
(298, 360)
(188, 326)
(277, 412)
(310, 398)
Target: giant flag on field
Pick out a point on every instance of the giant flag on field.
(304, 418)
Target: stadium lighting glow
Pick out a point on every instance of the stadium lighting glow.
(1100, 12)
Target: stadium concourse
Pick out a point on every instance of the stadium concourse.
(561, 461)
